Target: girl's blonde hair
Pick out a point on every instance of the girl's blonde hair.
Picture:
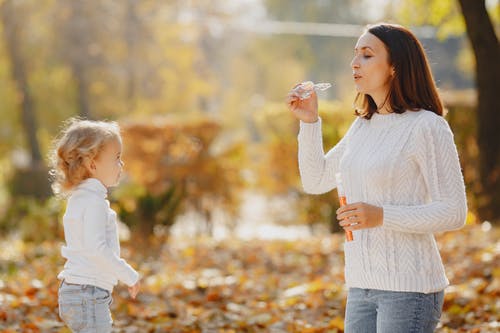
(80, 142)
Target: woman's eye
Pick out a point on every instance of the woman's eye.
(366, 56)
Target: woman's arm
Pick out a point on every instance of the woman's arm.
(437, 158)
(317, 170)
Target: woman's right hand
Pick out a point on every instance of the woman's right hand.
(305, 109)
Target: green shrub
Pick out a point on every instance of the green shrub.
(35, 220)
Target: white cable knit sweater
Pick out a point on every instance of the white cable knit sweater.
(408, 165)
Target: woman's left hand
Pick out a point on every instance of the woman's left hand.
(360, 215)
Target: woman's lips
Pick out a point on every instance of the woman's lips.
(356, 77)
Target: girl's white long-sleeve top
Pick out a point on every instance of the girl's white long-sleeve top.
(408, 165)
(92, 247)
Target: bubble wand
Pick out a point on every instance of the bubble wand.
(305, 89)
(343, 202)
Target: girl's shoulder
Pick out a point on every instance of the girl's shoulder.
(80, 200)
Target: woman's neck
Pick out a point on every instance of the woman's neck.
(382, 102)
(384, 110)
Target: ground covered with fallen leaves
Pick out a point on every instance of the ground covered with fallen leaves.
(244, 286)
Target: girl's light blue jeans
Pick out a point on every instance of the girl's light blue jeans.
(380, 311)
(85, 308)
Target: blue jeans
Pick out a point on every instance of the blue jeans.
(370, 311)
(85, 308)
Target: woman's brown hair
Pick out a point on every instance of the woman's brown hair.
(412, 86)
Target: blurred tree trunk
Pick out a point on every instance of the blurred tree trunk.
(82, 89)
(132, 28)
(30, 180)
(78, 41)
(11, 28)
(487, 53)
(78, 25)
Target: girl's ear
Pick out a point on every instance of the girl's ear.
(90, 165)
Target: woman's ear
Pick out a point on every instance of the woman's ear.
(393, 71)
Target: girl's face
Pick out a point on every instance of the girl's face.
(108, 165)
(370, 67)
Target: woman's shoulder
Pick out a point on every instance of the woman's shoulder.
(355, 125)
(428, 119)
(431, 125)
(426, 114)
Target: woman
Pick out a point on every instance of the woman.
(402, 178)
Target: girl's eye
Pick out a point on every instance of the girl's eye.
(366, 56)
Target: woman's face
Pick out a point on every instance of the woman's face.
(370, 67)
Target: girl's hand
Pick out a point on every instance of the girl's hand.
(360, 215)
(305, 109)
(134, 290)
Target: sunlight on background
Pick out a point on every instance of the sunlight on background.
(211, 206)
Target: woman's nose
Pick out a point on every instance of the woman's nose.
(355, 63)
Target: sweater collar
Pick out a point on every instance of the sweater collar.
(94, 185)
(388, 119)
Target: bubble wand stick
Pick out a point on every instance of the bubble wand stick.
(343, 202)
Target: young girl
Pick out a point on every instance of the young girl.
(86, 161)
(402, 178)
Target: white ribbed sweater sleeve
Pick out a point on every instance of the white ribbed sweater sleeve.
(95, 244)
(317, 170)
(437, 157)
